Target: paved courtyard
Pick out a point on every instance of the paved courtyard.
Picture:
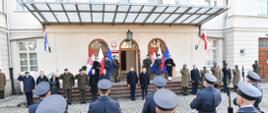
(9, 104)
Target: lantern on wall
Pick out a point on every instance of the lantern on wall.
(129, 35)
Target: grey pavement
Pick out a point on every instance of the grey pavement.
(9, 104)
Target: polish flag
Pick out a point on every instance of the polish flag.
(204, 38)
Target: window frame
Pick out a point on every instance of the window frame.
(28, 52)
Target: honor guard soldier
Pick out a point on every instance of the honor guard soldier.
(247, 94)
(157, 64)
(209, 98)
(147, 62)
(68, 83)
(236, 76)
(216, 71)
(254, 79)
(104, 104)
(53, 104)
(42, 90)
(166, 101)
(149, 104)
(82, 79)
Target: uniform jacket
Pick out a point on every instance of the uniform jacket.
(216, 71)
(147, 63)
(104, 104)
(149, 105)
(206, 100)
(116, 67)
(28, 83)
(236, 76)
(2, 81)
(82, 81)
(40, 79)
(226, 74)
(158, 63)
(203, 73)
(185, 76)
(249, 109)
(144, 80)
(68, 80)
(195, 76)
(256, 68)
(107, 64)
(96, 66)
(132, 78)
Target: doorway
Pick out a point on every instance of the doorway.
(263, 57)
(129, 57)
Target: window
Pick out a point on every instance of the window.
(19, 6)
(262, 7)
(28, 56)
(213, 50)
(183, 2)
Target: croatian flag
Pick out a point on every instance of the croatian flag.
(45, 39)
(101, 60)
(152, 57)
(162, 58)
(165, 58)
(90, 61)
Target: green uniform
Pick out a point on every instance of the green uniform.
(82, 85)
(2, 84)
(147, 63)
(68, 83)
(256, 68)
(115, 73)
(185, 77)
(216, 71)
(203, 73)
(236, 77)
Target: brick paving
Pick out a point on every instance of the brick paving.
(10, 104)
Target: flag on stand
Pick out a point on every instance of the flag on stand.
(101, 60)
(162, 58)
(91, 58)
(110, 57)
(152, 57)
(204, 38)
(166, 55)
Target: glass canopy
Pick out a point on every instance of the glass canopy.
(99, 13)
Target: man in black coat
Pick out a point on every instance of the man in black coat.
(96, 66)
(28, 86)
(195, 79)
(132, 80)
(226, 76)
(41, 77)
(144, 82)
(147, 62)
(169, 63)
(93, 81)
(157, 64)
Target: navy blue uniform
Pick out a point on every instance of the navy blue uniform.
(258, 100)
(104, 104)
(149, 105)
(226, 78)
(195, 77)
(206, 100)
(247, 110)
(33, 107)
(158, 63)
(132, 79)
(169, 63)
(96, 66)
(28, 86)
(144, 82)
(93, 81)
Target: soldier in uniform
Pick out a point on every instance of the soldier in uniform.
(93, 81)
(2, 84)
(226, 76)
(41, 77)
(254, 79)
(144, 82)
(42, 90)
(28, 86)
(132, 80)
(185, 77)
(256, 67)
(158, 63)
(216, 71)
(166, 101)
(203, 73)
(147, 62)
(107, 67)
(207, 100)
(247, 94)
(149, 104)
(104, 104)
(53, 104)
(169, 63)
(82, 78)
(115, 70)
(68, 83)
(195, 79)
(236, 76)
(96, 66)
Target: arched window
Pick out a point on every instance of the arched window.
(95, 45)
(156, 44)
(128, 44)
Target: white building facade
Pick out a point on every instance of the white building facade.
(233, 36)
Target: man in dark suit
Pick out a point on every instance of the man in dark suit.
(226, 76)
(149, 104)
(96, 66)
(41, 77)
(28, 86)
(93, 81)
(207, 100)
(169, 63)
(147, 62)
(247, 94)
(104, 104)
(157, 64)
(144, 82)
(132, 80)
(195, 79)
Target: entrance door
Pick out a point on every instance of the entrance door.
(129, 57)
(263, 61)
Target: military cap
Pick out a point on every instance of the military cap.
(104, 84)
(165, 99)
(42, 88)
(52, 104)
(210, 78)
(253, 76)
(248, 91)
(159, 81)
